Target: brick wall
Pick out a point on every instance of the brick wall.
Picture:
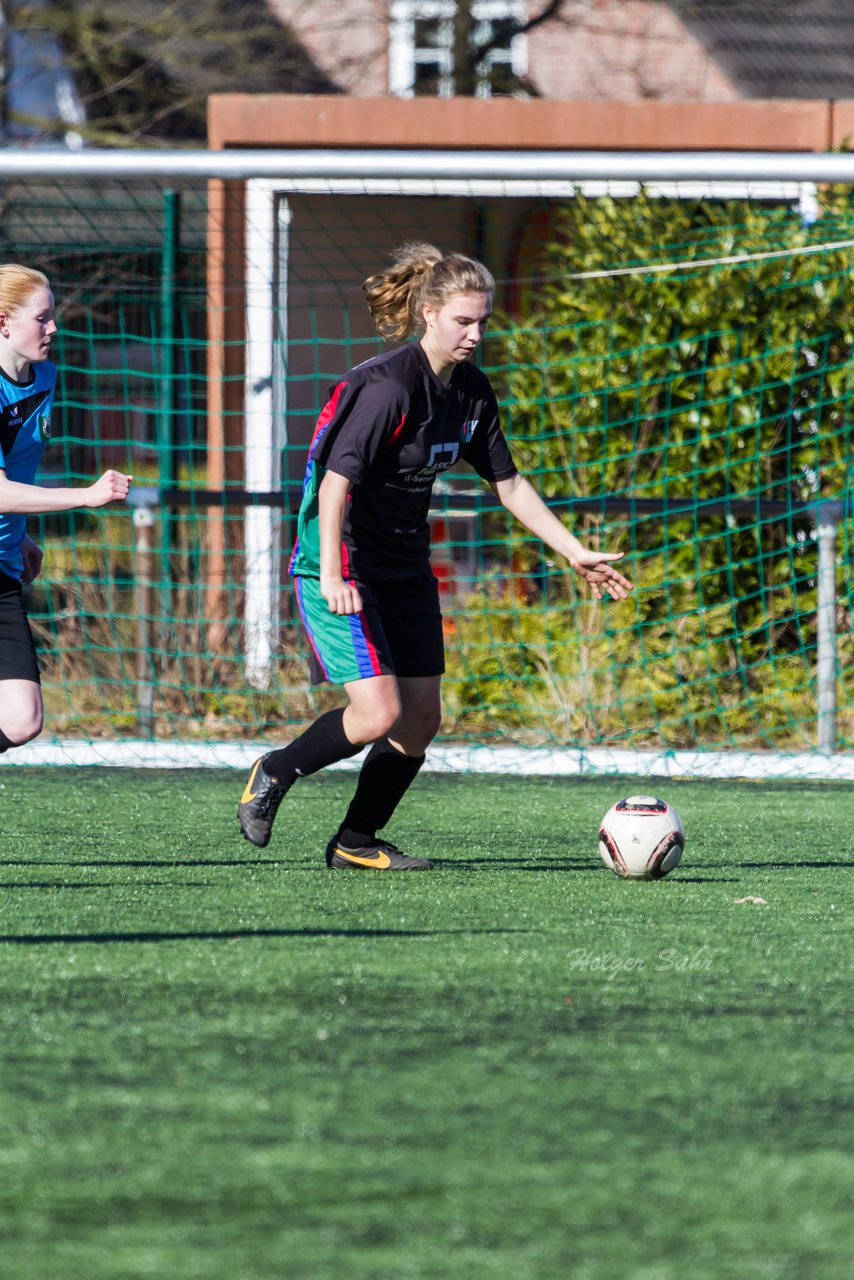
(623, 49)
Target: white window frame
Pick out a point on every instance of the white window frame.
(404, 56)
(515, 55)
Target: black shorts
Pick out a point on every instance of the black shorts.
(398, 632)
(17, 649)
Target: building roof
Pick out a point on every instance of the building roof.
(779, 48)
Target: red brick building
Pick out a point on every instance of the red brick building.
(685, 50)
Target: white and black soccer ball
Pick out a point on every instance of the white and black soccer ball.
(641, 838)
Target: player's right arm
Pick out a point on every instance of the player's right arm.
(340, 595)
(31, 499)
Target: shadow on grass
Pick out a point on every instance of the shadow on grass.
(178, 861)
(238, 935)
(774, 864)
(576, 865)
(677, 879)
(494, 862)
(102, 884)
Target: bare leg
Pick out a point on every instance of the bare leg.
(21, 711)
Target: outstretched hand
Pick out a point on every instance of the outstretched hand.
(521, 499)
(595, 568)
(113, 486)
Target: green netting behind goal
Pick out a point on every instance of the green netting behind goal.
(674, 375)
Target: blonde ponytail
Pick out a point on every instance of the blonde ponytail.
(420, 274)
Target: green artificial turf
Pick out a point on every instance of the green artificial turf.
(225, 1063)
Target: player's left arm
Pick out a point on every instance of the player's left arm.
(31, 558)
(521, 499)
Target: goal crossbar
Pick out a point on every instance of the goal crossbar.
(470, 165)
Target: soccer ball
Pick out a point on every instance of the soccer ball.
(641, 838)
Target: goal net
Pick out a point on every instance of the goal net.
(673, 364)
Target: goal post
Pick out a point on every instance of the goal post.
(715, 444)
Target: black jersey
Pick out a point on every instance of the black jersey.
(390, 427)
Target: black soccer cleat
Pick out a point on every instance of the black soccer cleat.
(379, 855)
(259, 804)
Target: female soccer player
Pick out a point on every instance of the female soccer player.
(27, 385)
(368, 600)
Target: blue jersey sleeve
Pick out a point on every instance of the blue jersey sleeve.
(25, 429)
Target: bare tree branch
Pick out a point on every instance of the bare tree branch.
(144, 71)
(513, 27)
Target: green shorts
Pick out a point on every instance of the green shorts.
(398, 632)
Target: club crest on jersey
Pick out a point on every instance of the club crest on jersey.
(44, 426)
(469, 429)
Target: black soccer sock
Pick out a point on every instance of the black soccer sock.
(5, 743)
(384, 779)
(323, 743)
